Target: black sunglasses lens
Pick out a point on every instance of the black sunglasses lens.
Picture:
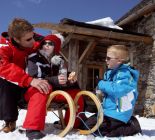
(29, 39)
(49, 43)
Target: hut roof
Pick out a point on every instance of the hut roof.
(85, 31)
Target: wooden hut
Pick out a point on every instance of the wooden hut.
(85, 49)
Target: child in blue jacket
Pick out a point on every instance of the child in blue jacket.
(119, 86)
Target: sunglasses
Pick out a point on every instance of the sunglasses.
(49, 43)
(109, 58)
(29, 39)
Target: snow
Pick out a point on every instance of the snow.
(108, 22)
(147, 125)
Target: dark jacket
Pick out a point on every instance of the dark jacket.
(39, 67)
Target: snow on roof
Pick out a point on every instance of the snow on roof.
(108, 22)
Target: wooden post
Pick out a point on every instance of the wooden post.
(73, 56)
(61, 117)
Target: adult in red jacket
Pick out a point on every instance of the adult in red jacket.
(14, 51)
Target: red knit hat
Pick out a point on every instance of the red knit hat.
(56, 39)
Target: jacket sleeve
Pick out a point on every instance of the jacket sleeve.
(32, 68)
(53, 80)
(119, 87)
(10, 71)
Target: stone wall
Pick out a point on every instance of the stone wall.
(136, 8)
(144, 61)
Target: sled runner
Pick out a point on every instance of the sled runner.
(73, 106)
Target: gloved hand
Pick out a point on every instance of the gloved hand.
(56, 60)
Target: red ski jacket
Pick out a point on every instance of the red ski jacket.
(13, 62)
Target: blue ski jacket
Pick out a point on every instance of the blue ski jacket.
(119, 87)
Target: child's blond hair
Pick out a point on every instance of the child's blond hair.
(120, 51)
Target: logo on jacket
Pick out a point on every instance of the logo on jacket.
(3, 45)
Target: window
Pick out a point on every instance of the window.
(93, 73)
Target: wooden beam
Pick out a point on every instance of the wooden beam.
(147, 9)
(73, 55)
(95, 32)
(85, 37)
(61, 53)
(98, 40)
(87, 51)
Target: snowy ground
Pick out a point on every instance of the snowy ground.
(147, 125)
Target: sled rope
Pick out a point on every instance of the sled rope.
(98, 106)
(78, 116)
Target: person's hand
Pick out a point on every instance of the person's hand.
(56, 60)
(72, 78)
(62, 79)
(42, 85)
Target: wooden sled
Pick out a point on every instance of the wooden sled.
(73, 106)
(70, 104)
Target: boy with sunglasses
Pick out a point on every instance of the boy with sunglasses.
(15, 46)
(46, 64)
(119, 86)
